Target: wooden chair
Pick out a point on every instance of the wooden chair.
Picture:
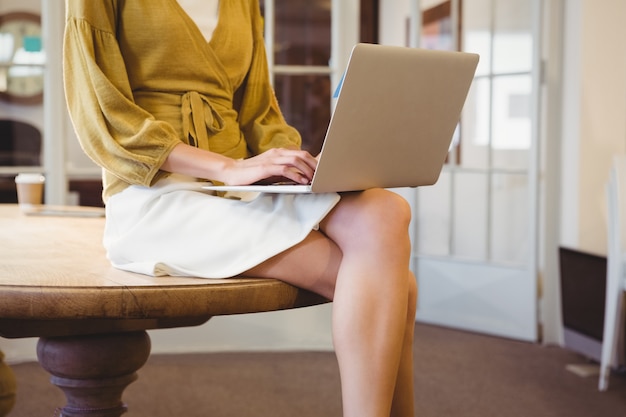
(616, 272)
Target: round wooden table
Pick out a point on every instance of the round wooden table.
(91, 319)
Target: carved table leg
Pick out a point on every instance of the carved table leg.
(94, 370)
(7, 387)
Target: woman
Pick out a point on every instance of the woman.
(165, 94)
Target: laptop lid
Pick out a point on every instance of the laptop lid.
(393, 122)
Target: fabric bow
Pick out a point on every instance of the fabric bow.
(199, 119)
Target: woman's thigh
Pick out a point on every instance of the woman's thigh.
(312, 264)
(362, 222)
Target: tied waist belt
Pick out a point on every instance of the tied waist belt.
(199, 118)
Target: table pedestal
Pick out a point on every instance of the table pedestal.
(94, 370)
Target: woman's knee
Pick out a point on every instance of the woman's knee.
(375, 216)
(382, 208)
(388, 214)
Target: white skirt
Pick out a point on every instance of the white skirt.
(176, 228)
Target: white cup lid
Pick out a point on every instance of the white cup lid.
(30, 178)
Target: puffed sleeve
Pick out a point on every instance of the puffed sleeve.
(261, 120)
(117, 134)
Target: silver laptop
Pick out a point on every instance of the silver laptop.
(393, 122)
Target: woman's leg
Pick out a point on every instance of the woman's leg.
(360, 261)
(403, 404)
(372, 301)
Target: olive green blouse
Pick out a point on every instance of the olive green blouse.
(140, 78)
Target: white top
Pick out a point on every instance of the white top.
(204, 13)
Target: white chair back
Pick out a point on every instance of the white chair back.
(615, 278)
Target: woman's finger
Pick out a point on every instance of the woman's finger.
(283, 159)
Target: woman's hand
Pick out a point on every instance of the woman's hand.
(274, 165)
(271, 166)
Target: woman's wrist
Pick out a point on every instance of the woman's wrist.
(199, 163)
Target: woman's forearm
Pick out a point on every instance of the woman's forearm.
(195, 162)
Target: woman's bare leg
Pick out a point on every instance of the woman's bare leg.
(361, 262)
(371, 299)
(403, 402)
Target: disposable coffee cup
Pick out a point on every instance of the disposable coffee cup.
(29, 190)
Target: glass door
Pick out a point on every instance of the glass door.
(476, 240)
(308, 44)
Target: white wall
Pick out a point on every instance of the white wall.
(602, 113)
(593, 123)
(393, 15)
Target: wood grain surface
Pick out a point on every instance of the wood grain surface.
(55, 280)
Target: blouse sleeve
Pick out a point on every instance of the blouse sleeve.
(261, 120)
(117, 134)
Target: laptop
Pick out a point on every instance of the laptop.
(395, 116)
